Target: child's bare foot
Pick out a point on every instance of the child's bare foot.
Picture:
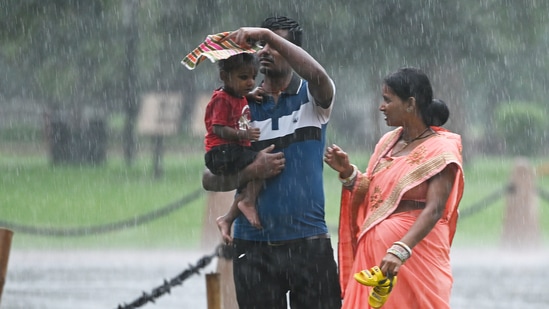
(224, 226)
(250, 212)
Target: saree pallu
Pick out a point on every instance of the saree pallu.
(368, 227)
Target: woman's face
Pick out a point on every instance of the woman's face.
(393, 108)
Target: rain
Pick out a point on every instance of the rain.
(101, 138)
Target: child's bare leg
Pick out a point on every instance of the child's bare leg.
(247, 204)
(225, 222)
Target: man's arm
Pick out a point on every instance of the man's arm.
(265, 165)
(320, 84)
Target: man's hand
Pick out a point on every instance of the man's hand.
(246, 37)
(267, 164)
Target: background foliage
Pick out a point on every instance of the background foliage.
(102, 55)
(522, 128)
(71, 59)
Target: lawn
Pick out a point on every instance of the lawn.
(74, 199)
(37, 194)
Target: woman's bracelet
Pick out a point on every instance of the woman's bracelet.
(349, 181)
(405, 246)
(400, 250)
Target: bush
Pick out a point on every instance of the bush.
(522, 126)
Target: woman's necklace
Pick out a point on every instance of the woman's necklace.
(406, 143)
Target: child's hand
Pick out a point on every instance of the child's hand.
(253, 134)
(256, 94)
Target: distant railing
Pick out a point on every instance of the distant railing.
(484, 203)
(104, 228)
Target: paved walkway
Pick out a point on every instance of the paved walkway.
(96, 279)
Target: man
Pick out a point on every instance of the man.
(292, 252)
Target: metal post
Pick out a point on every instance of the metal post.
(5, 245)
(521, 226)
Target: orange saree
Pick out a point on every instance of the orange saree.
(367, 226)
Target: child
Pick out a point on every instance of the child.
(229, 136)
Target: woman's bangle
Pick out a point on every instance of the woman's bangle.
(399, 251)
(405, 246)
(349, 181)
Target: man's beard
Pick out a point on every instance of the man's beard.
(269, 72)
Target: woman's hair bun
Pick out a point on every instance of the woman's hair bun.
(438, 113)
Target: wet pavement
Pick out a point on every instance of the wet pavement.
(94, 279)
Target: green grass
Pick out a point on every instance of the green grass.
(35, 193)
(38, 194)
(483, 177)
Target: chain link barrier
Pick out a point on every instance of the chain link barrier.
(222, 251)
(166, 210)
(543, 194)
(494, 197)
(103, 228)
(485, 202)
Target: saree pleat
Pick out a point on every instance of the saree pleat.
(423, 282)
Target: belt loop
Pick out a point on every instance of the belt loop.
(276, 243)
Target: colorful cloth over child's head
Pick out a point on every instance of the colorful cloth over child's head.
(215, 48)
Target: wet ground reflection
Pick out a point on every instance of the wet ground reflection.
(94, 279)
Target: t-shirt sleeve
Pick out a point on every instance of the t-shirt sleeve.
(324, 113)
(221, 112)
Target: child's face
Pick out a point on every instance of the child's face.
(240, 81)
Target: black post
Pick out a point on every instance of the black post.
(158, 141)
(131, 104)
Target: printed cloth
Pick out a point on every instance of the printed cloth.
(368, 227)
(215, 48)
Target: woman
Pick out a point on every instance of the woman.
(405, 202)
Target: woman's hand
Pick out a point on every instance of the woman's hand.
(390, 265)
(338, 160)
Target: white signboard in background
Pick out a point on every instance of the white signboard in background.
(159, 114)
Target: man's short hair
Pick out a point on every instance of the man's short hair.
(284, 23)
